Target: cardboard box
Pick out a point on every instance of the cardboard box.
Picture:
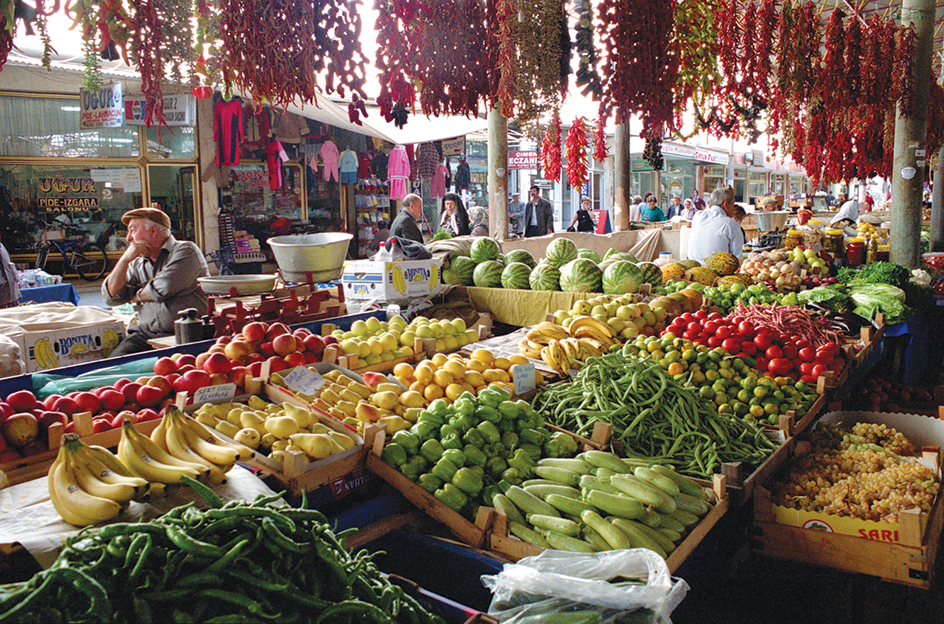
(392, 281)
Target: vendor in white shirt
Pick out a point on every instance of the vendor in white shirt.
(848, 214)
(714, 230)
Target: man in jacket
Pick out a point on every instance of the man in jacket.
(516, 216)
(538, 215)
(404, 225)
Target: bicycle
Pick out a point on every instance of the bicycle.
(87, 258)
(224, 259)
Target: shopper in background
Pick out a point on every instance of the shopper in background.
(404, 225)
(582, 219)
(9, 288)
(157, 274)
(848, 211)
(714, 230)
(516, 216)
(698, 201)
(634, 207)
(454, 218)
(538, 215)
(675, 208)
(688, 209)
(738, 215)
(652, 213)
(478, 221)
(381, 236)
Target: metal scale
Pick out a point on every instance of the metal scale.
(771, 228)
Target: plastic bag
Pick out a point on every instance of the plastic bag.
(564, 582)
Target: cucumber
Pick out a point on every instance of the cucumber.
(637, 488)
(604, 459)
(528, 535)
(529, 503)
(595, 539)
(541, 490)
(554, 523)
(666, 521)
(606, 473)
(613, 536)
(560, 475)
(570, 463)
(539, 482)
(641, 539)
(590, 482)
(559, 541)
(686, 518)
(504, 504)
(686, 485)
(667, 485)
(672, 534)
(616, 504)
(664, 542)
(691, 505)
(568, 506)
(569, 617)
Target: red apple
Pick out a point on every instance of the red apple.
(255, 357)
(165, 366)
(283, 344)
(3, 446)
(201, 360)
(217, 379)
(255, 369)
(5, 410)
(147, 414)
(101, 425)
(186, 358)
(131, 415)
(191, 381)
(311, 357)
(186, 367)
(70, 427)
(149, 396)
(315, 344)
(87, 402)
(170, 401)
(143, 379)
(116, 421)
(223, 340)
(276, 364)
(176, 356)
(218, 363)
(98, 391)
(255, 331)
(237, 375)
(50, 401)
(266, 349)
(22, 401)
(217, 349)
(20, 429)
(294, 359)
(121, 383)
(172, 378)
(112, 399)
(50, 418)
(67, 405)
(130, 390)
(329, 340)
(162, 383)
(277, 329)
(237, 350)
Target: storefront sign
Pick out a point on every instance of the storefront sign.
(179, 110)
(101, 108)
(454, 147)
(523, 160)
(641, 165)
(712, 157)
(669, 149)
(63, 193)
(542, 183)
(257, 178)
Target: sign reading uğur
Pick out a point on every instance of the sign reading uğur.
(101, 108)
(62, 194)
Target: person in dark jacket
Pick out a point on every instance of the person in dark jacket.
(454, 217)
(538, 215)
(404, 225)
(582, 219)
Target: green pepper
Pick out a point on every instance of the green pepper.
(552, 448)
(464, 406)
(533, 450)
(432, 450)
(420, 462)
(445, 470)
(446, 430)
(410, 471)
(468, 481)
(424, 430)
(513, 476)
(451, 496)
(489, 432)
(431, 418)
(533, 436)
(496, 466)
(489, 492)
(462, 422)
(430, 482)
(474, 436)
(439, 408)
(510, 410)
(456, 456)
(452, 441)
(568, 443)
(491, 414)
(522, 461)
(490, 450)
(394, 454)
(490, 397)
(505, 425)
(409, 442)
(510, 440)
(474, 455)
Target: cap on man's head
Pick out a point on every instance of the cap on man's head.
(151, 214)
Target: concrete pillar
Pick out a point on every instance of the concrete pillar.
(622, 178)
(910, 146)
(497, 175)
(937, 206)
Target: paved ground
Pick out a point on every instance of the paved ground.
(90, 293)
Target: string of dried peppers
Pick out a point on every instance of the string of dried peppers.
(577, 160)
(542, 62)
(551, 151)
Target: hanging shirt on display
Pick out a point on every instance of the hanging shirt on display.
(310, 150)
(398, 168)
(363, 166)
(438, 187)
(228, 131)
(275, 156)
(426, 161)
(348, 167)
(329, 160)
(463, 176)
(379, 164)
(289, 128)
(256, 127)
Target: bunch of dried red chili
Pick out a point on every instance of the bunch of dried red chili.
(577, 161)
(551, 151)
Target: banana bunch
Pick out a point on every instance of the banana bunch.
(539, 337)
(110, 340)
(589, 327)
(88, 484)
(44, 355)
(563, 348)
(555, 356)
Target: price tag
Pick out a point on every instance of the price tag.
(522, 375)
(304, 380)
(210, 394)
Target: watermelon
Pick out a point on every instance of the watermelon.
(581, 275)
(589, 254)
(651, 274)
(544, 277)
(461, 268)
(610, 253)
(520, 255)
(559, 252)
(628, 257)
(621, 277)
(516, 275)
(488, 274)
(483, 249)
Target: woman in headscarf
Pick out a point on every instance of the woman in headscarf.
(688, 209)
(454, 218)
(478, 218)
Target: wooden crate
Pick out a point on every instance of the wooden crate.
(855, 352)
(740, 485)
(790, 424)
(501, 542)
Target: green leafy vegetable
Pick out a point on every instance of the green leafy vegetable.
(869, 299)
(833, 297)
(441, 235)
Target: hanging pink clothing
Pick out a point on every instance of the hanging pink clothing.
(329, 160)
(438, 187)
(275, 156)
(398, 170)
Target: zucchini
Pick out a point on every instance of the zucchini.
(559, 541)
(686, 518)
(667, 485)
(659, 538)
(554, 523)
(504, 504)
(672, 534)
(600, 471)
(563, 476)
(691, 505)
(542, 490)
(666, 521)
(616, 538)
(527, 534)
(569, 617)
(651, 518)
(570, 463)
(567, 505)
(633, 531)
(595, 539)
(648, 494)
(685, 484)
(616, 504)
(538, 482)
(604, 459)
(590, 482)
(529, 503)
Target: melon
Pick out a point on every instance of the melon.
(516, 275)
(483, 249)
(581, 275)
(628, 257)
(488, 274)
(737, 278)
(702, 275)
(621, 277)
(651, 274)
(544, 277)
(520, 255)
(673, 270)
(689, 264)
(559, 252)
(723, 263)
(461, 268)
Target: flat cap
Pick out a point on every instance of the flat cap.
(151, 214)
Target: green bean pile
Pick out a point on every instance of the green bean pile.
(239, 562)
(652, 415)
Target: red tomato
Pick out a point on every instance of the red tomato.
(806, 368)
(711, 327)
(690, 335)
(824, 355)
(761, 341)
(731, 345)
(818, 370)
(808, 379)
(749, 347)
(807, 354)
(723, 332)
(802, 343)
(779, 366)
(695, 327)
(701, 315)
(714, 316)
(746, 328)
(790, 351)
(773, 352)
(714, 341)
(761, 363)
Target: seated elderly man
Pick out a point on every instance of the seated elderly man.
(158, 275)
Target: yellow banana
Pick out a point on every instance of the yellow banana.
(104, 473)
(526, 350)
(75, 505)
(121, 493)
(145, 459)
(177, 447)
(108, 459)
(160, 432)
(208, 435)
(222, 456)
(589, 322)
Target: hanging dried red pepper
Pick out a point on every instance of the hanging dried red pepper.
(551, 151)
(577, 161)
(599, 138)
(695, 42)
(539, 84)
(502, 18)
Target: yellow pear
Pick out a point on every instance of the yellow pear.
(252, 420)
(234, 416)
(390, 387)
(227, 428)
(367, 413)
(276, 380)
(386, 400)
(280, 445)
(412, 414)
(316, 445)
(248, 436)
(208, 419)
(302, 416)
(345, 442)
(394, 424)
(320, 428)
(281, 426)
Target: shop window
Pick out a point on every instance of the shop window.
(173, 189)
(263, 212)
(88, 196)
(49, 127)
(177, 143)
